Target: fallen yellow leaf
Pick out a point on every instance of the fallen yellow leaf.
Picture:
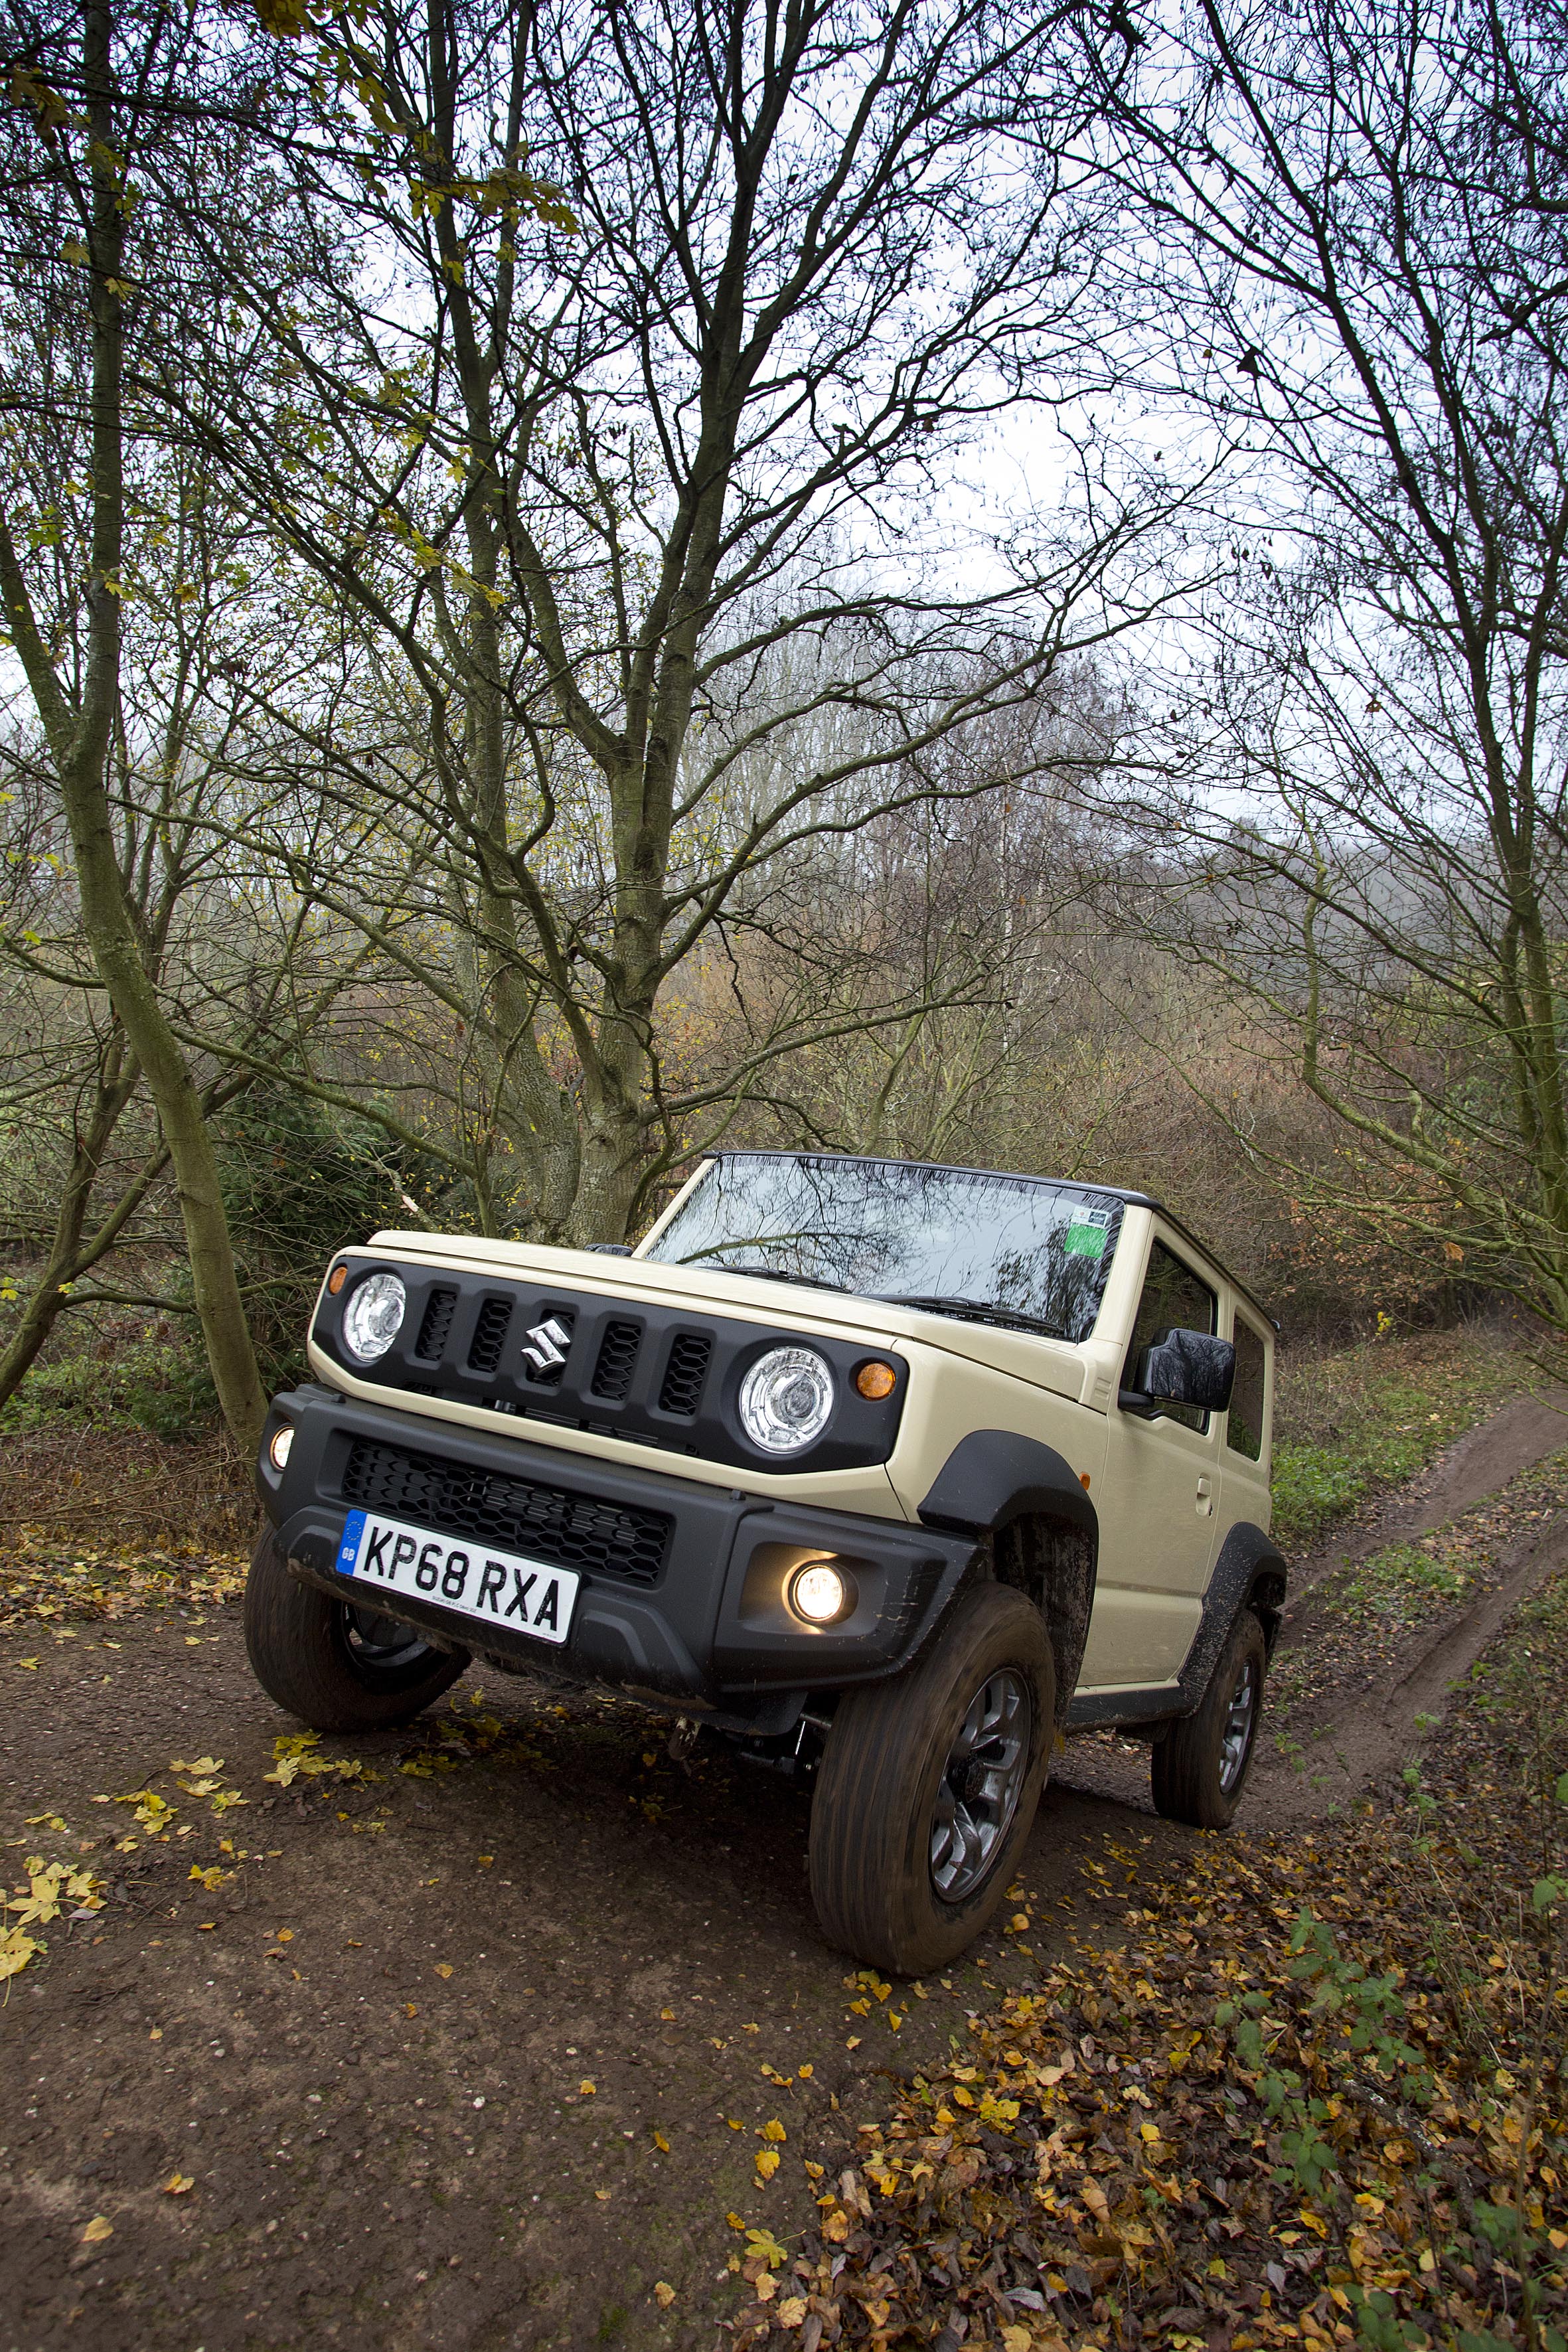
(178, 2183)
(585, 2088)
(663, 2293)
(443, 1967)
(660, 2142)
(97, 2229)
(773, 2130)
(603, 2195)
(767, 2162)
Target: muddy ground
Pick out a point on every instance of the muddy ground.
(476, 2044)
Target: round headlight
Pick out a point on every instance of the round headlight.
(373, 1317)
(283, 1446)
(819, 1592)
(785, 1399)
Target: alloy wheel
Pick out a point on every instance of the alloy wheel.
(980, 1784)
(1240, 1721)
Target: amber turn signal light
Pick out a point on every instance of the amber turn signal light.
(876, 1379)
(1083, 1480)
(336, 1280)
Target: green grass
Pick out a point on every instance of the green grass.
(1403, 1586)
(1350, 1424)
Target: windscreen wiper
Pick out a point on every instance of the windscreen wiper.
(969, 1310)
(777, 1274)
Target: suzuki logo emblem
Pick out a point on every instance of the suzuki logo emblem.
(547, 1345)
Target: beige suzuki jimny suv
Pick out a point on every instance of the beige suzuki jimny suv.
(888, 1474)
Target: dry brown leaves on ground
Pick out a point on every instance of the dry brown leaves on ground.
(46, 1584)
(1317, 2095)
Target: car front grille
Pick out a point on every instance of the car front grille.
(434, 1324)
(685, 1373)
(484, 1352)
(548, 1523)
(617, 1361)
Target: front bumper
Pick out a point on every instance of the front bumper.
(682, 1584)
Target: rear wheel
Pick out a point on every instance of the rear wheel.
(929, 1785)
(337, 1668)
(1199, 1770)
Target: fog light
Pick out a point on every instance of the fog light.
(820, 1592)
(283, 1446)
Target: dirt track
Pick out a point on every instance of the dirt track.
(381, 2110)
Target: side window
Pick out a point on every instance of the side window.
(1173, 1298)
(1243, 1426)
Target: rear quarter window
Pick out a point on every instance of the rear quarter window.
(1244, 1423)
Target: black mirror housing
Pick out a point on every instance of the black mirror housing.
(1190, 1367)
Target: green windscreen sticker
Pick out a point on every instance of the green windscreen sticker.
(1086, 1236)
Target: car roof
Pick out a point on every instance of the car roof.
(1054, 1184)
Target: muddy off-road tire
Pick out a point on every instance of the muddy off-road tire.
(337, 1668)
(928, 1788)
(1199, 1768)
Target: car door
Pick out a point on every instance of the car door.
(1159, 1492)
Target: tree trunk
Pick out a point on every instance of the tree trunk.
(80, 733)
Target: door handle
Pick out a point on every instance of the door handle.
(1204, 1498)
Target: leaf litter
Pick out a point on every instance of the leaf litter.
(1308, 2090)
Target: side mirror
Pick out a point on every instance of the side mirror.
(1189, 1368)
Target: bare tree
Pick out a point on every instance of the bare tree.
(86, 247)
(1353, 278)
(614, 387)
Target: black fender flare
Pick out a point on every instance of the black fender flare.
(993, 1477)
(1250, 1573)
(995, 1481)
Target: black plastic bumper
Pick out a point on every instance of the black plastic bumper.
(694, 1612)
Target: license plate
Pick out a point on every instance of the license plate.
(501, 1588)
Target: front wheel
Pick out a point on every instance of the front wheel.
(337, 1668)
(929, 1785)
(1199, 1770)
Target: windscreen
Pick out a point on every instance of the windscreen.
(998, 1248)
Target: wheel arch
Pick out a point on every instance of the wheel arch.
(1250, 1573)
(1043, 1532)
